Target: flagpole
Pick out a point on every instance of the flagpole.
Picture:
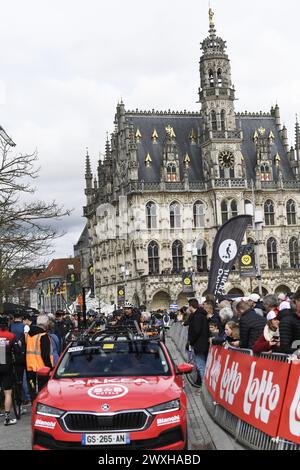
(256, 244)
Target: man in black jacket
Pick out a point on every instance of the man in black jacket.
(289, 330)
(198, 335)
(251, 325)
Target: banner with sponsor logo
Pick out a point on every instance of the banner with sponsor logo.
(289, 428)
(249, 387)
(247, 261)
(225, 249)
(187, 282)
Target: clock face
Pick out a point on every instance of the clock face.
(226, 159)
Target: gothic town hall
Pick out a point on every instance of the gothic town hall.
(170, 179)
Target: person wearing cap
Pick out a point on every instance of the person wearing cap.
(269, 341)
(255, 303)
(290, 329)
(39, 353)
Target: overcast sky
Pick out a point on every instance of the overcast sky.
(66, 63)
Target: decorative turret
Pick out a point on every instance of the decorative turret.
(277, 117)
(284, 138)
(88, 178)
(170, 163)
(297, 139)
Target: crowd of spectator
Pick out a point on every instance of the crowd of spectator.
(270, 324)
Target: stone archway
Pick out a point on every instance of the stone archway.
(264, 291)
(182, 299)
(282, 289)
(160, 300)
(136, 300)
(236, 291)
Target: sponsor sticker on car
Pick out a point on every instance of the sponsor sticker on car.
(107, 391)
(45, 424)
(165, 421)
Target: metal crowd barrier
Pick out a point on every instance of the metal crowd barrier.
(243, 432)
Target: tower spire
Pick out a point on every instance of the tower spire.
(107, 147)
(88, 172)
(297, 133)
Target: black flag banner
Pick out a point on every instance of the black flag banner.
(225, 249)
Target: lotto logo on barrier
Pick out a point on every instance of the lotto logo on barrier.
(290, 419)
(249, 387)
(213, 369)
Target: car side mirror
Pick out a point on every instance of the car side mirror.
(44, 372)
(184, 368)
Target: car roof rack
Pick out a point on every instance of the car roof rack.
(112, 333)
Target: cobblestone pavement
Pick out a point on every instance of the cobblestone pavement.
(203, 432)
(18, 436)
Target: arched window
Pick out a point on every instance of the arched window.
(211, 78)
(224, 211)
(175, 215)
(151, 215)
(198, 211)
(201, 256)
(228, 209)
(177, 256)
(269, 212)
(272, 253)
(220, 78)
(171, 172)
(233, 207)
(153, 258)
(213, 117)
(294, 252)
(291, 212)
(223, 117)
(265, 172)
(248, 207)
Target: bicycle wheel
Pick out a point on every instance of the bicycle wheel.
(17, 399)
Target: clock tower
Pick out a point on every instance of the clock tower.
(221, 135)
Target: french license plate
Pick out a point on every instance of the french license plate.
(105, 439)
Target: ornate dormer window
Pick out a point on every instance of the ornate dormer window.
(265, 172)
(171, 172)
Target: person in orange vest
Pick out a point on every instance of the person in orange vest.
(38, 354)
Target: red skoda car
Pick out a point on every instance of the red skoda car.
(114, 393)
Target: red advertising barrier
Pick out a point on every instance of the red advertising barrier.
(251, 388)
(289, 428)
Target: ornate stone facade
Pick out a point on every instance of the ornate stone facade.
(170, 179)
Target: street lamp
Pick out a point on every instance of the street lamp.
(125, 275)
(257, 221)
(192, 248)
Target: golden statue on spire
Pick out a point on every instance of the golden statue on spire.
(211, 17)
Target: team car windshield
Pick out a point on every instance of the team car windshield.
(114, 359)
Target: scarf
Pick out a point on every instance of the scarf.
(268, 333)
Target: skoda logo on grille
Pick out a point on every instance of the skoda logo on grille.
(105, 407)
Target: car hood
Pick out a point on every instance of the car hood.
(89, 394)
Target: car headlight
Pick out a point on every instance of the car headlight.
(48, 411)
(173, 405)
